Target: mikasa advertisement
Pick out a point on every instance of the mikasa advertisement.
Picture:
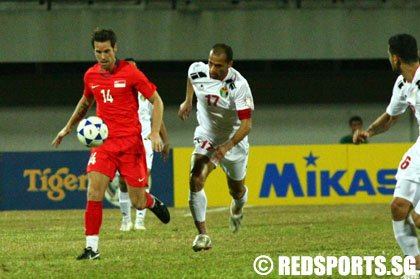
(304, 174)
(276, 175)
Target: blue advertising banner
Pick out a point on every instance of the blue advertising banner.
(163, 178)
(57, 180)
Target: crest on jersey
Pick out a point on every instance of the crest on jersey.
(119, 84)
(224, 92)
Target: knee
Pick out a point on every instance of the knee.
(196, 182)
(396, 207)
(399, 210)
(122, 184)
(416, 219)
(138, 202)
(123, 187)
(94, 193)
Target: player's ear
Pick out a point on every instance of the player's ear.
(115, 47)
(397, 60)
(230, 64)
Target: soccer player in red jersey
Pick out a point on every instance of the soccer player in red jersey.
(114, 84)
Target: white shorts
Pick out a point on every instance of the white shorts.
(410, 191)
(149, 152)
(409, 167)
(235, 161)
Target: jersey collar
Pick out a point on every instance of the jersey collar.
(228, 75)
(108, 74)
(414, 74)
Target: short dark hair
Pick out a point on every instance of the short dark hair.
(405, 46)
(355, 118)
(219, 49)
(103, 35)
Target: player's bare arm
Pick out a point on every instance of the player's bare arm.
(156, 122)
(380, 125)
(166, 143)
(186, 107)
(241, 133)
(79, 113)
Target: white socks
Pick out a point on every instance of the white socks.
(241, 202)
(125, 206)
(406, 236)
(92, 241)
(142, 213)
(198, 204)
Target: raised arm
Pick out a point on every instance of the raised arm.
(380, 125)
(186, 107)
(156, 122)
(79, 113)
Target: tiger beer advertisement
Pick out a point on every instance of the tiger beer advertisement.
(304, 174)
(58, 180)
(276, 175)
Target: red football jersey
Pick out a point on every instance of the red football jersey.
(116, 94)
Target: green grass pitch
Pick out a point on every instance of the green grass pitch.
(44, 244)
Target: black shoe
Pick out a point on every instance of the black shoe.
(160, 210)
(88, 254)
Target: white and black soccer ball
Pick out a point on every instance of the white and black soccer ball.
(92, 131)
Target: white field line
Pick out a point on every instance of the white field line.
(217, 209)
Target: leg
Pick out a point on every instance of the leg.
(235, 174)
(93, 216)
(125, 205)
(132, 166)
(141, 214)
(201, 168)
(141, 199)
(404, 229)
(416, 219)
(239, 193)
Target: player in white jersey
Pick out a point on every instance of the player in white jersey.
(403, 56)
(224, 104)
(145, 115)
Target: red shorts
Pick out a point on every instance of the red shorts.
(126, 154)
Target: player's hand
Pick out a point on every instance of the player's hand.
(165, 151)
(360, 136)
(184, 110)
(220, 152)
(156, 141)
(64, 132)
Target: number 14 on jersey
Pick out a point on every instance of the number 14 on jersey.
(107, 95)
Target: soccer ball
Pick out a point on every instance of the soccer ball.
(92, 131)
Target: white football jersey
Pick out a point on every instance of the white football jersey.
(145, 115)
(406, 94)
(218, 102)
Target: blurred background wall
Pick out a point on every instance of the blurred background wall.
(310, 64)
